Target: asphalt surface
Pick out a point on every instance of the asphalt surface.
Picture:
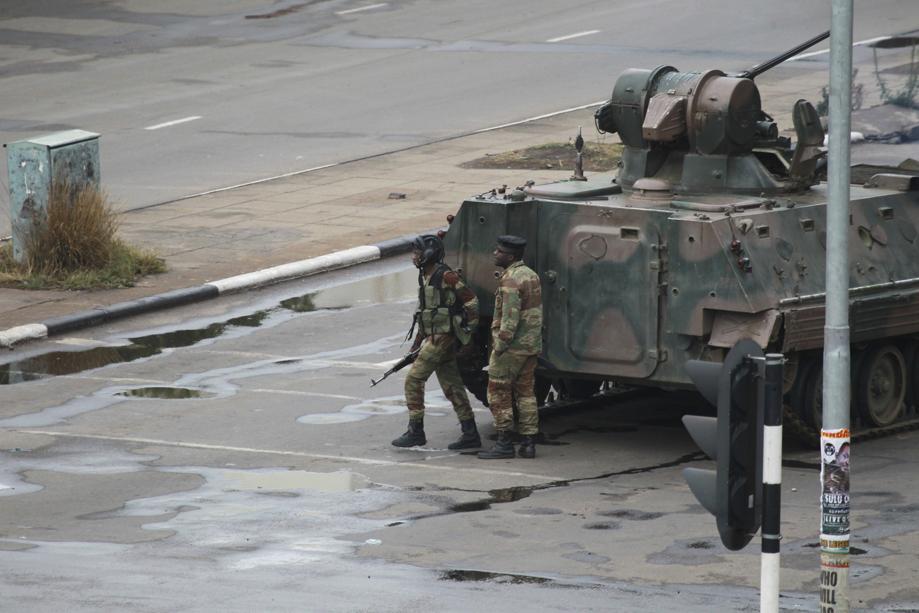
(276, 488)
(194, 97)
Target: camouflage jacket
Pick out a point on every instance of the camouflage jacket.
(517, 324)
(446, 306)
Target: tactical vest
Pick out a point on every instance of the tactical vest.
(439, 311)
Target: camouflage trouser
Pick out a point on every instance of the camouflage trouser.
(511, 376)
(436, 356)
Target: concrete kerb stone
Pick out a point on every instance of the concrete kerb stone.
(284, 272)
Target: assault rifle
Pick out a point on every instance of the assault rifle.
(405, 361)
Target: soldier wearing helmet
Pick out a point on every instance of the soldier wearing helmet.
(516, 341)
(447, 312)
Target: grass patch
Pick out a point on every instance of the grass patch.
(77, 247)
(597, 157)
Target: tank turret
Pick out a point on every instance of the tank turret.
(706, 132)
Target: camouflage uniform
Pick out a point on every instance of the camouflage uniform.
(443, 313)
(516, 341)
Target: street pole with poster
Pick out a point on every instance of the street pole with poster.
(834, 435)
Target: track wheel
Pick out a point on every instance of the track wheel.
(880, 386)
(911, 355)
(811, 408)
(806, 393)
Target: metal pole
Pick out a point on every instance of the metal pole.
(770, 565)
(834, 436)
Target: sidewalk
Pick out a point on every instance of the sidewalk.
(240, 230)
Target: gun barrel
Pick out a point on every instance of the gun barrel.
(405, 361)
(764, 66)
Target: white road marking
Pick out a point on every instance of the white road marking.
(247, 354)
(303, 393)
(299, 454)
(344, 364)
(529, 119)
(867, 41)
(173, 122)
(310, 363)
(559, 39)
(83, 342)
(358, 159)
(361, 8)
(116, 379)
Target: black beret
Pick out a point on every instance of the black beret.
(510, 242)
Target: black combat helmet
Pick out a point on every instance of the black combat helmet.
(430, 247)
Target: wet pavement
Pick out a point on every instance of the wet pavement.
(231, 456)
(245, 465)
(392, 286)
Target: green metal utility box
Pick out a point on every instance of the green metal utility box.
(72, 155)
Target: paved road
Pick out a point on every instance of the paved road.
(189, 99)
(276, 488)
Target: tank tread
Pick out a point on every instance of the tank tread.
(802, 432)
(792, 423)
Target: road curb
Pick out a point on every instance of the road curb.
(283, 272)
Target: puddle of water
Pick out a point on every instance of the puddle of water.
(630, 514)
(169, 393)
(57, 363)
(219, 382)
(602, 525)
(393, 287)
(390, 287)
(68, 362)
(340, 481)
(479, 575)
(468, 507)
(511, 494)
(507, 494)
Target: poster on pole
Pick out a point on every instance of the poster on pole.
(834, 499)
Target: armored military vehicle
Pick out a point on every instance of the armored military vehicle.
(712, 230)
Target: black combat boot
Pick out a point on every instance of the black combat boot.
(413, 436)
(470, 437)
(528, 446)
(503, 449)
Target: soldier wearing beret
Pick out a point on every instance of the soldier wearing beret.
(516, 341)
(447, 312)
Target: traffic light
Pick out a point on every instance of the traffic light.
(732, 492)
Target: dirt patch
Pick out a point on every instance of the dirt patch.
(598, 157)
